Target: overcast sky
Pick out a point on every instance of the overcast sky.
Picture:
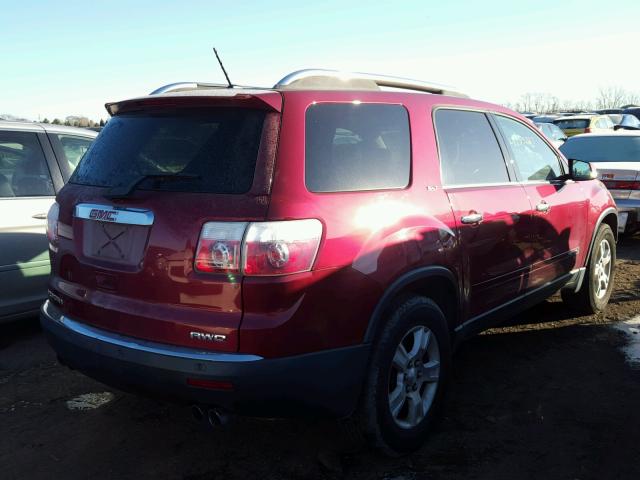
(61, 58)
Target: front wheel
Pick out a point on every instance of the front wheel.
(408, 371)
(597, 285)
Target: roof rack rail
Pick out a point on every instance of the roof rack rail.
(179, 86)
(334, 79)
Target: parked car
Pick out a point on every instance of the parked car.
(217, 248)
(617, 158)
(635, 111)
(625, 121)
(548, 118)
(552, 132)
(576, 124)
(609, 111)
(35, 161)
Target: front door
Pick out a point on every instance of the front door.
(559, 206)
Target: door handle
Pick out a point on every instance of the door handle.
(471, 218)
(543, 207)
(40, 216)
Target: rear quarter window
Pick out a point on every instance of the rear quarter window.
(353, 147)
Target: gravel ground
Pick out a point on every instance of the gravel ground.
(549, 396)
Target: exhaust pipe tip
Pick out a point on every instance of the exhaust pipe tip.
(198, 413)
(217, 417)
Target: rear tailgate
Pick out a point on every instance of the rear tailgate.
(127, 264)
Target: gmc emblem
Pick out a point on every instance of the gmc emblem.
(103, 215)
(207, 337)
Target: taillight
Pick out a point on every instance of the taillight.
(219, 247)
(276, 248)
(258, 248)
(622, 184)
(52, 223)
(587, 130)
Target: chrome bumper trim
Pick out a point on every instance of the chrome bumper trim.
(96, 334)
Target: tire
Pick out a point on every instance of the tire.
(593, 296)
(413, 321)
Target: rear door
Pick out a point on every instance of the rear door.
(26, 193)
(559, 206)
(491, 211)
(132, 256)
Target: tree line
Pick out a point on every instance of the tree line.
(608, 97)
(76, 121)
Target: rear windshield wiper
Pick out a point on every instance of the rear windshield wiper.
(124, 191)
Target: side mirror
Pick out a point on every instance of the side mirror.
(617, 127)
(581, 171)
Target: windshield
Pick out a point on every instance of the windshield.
(216, 150)
(603, 149)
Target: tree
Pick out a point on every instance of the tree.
(56, 121)
(611, 97)
(46, 120)
(102, 122)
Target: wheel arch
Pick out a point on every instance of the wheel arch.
(610, 217)
(435, 282)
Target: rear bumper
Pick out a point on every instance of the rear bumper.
(631, 208)
(327, 382)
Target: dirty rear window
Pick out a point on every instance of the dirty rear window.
(217, 149)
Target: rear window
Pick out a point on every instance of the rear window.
(219, 147)
(603, 149)
(567, 124)
(351, 147)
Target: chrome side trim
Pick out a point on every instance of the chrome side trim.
(578, 277)
(567, 278)
(107, 213)
(130, 343)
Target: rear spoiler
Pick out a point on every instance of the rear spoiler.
(267, 100)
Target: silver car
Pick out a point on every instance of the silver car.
(35, 162)
(617, 158)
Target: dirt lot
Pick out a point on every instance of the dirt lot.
(548, 397)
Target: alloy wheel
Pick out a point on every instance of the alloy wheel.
(414, 377)
(602, 273)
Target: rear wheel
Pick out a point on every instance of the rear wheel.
(597, 285)
(407, 377)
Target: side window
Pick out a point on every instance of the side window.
(533, 158)
(23, 168)
(351, 147)
(73, 149)
(469, 150)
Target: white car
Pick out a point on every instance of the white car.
(35, 162)
(552, 132)
(617, 158)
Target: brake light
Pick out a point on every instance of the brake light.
(219, 247)
(52, 223)
(587, 130)
(276, 248)
(258, 248)
(622, 184)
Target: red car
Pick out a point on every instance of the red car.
(320, 246)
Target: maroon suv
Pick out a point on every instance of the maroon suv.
(320, 246)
